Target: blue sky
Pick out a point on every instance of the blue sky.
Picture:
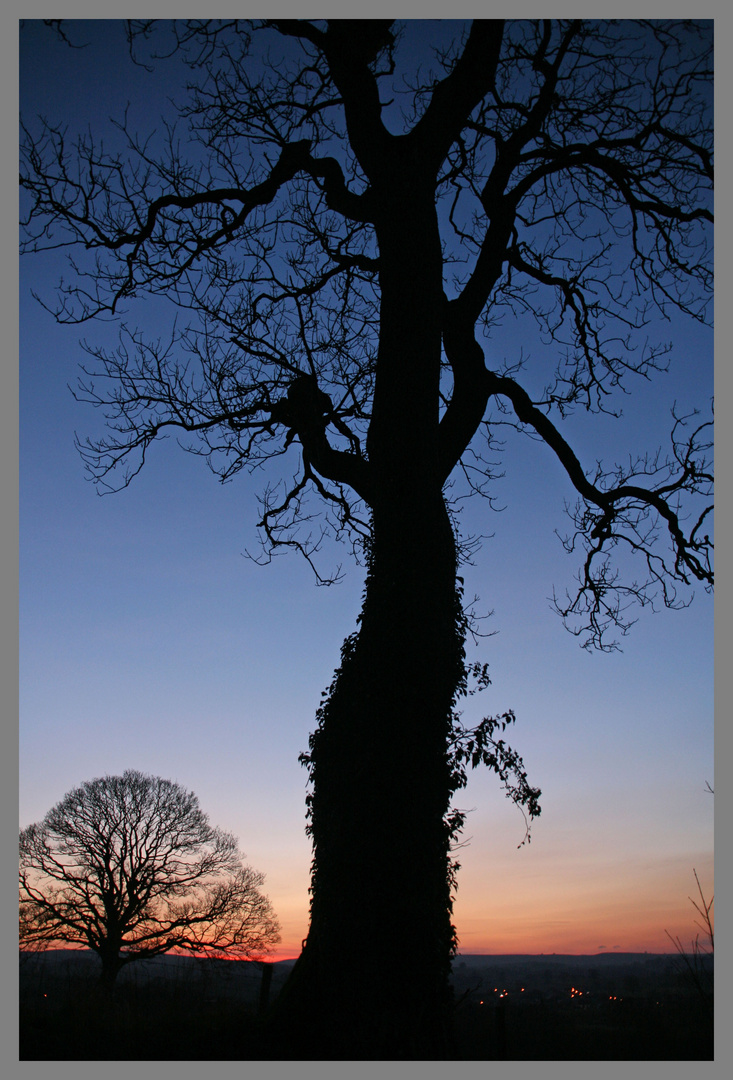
(148, 641)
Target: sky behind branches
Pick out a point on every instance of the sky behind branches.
(149, 642)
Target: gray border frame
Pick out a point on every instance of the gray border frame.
(12, 1067)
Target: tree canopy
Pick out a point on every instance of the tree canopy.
(567, 167)
(130, 867)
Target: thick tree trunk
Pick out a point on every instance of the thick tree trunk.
(111, 966)
(373, 980)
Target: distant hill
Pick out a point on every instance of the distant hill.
(82, 957)
(565, 959)
(170, 963)
(242, 979)
(60, 969)
(556, 976)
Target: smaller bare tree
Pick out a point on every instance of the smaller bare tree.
(696, 962)
(130, 867)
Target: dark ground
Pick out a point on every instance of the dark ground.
(553, 1008)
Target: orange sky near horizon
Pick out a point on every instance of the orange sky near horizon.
(626, 910)
(527, 911)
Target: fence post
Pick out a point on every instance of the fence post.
(265, 984)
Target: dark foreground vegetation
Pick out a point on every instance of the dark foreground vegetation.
(609, 1007)
(514, 1008)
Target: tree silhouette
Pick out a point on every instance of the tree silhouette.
(130, 867)
(342, 238)
(696, 961)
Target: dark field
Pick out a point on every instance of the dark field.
(553, 1008)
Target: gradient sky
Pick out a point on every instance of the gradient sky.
(148, 641)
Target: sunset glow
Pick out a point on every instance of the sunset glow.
(149, 642)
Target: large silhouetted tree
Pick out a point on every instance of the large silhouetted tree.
(130, 867)
(350, 222)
